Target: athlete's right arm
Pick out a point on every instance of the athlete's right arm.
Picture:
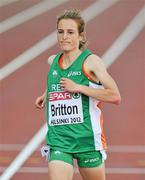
(50, 59)
(41, 100)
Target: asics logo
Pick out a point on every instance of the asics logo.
(74, 73)
(92, 160)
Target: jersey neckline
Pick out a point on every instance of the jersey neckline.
(60, 60)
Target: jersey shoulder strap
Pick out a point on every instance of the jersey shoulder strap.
(84, 55)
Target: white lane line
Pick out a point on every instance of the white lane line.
(97, 9)
(129, 34)
(28, 14)
(111, 149)
(32, 145)
(28, 55)
(50, 40)
(6, 2)
(37, 170)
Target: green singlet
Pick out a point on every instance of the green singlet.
(75, 121)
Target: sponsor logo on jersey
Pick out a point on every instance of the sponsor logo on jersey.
(74, 73)
(54, 73)
(76, 95)
(56, 96)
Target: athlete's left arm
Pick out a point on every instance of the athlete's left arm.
(110, 93)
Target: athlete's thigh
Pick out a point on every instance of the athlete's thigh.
(95, 173)
(60, 170)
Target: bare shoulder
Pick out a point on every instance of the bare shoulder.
(50, 59)
(94, 62)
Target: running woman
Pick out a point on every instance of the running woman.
(77, 84)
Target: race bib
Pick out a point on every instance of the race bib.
(65, 108)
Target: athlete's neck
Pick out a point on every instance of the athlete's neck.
(70, 56)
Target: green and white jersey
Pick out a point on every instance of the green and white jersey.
(75, 121)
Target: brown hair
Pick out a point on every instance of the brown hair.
(75, 15)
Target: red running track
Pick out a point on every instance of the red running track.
(124, 124)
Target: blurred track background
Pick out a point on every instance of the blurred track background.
(27, 39)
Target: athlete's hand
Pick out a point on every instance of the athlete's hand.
(40, 102)
(68, 85)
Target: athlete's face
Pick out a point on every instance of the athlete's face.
(68, 35)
